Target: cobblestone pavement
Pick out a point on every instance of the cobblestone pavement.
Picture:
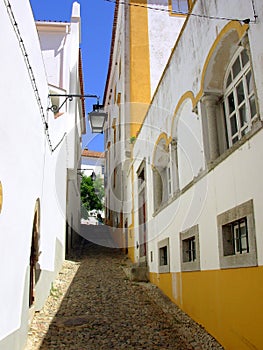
(93, 305)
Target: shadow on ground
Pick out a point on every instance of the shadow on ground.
(103, 309)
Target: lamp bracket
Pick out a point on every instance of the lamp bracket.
(55, 109)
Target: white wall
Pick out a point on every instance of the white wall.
(163, 29)
(29, 170)
(236, 179)
(23, 152)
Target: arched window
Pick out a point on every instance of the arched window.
(228, 105)
(239, 97)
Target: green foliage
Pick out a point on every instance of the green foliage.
(132, 139)
(92, 193)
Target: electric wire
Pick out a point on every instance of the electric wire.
(246, 20)
(31, 75)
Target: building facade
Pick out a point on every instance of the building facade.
(93, 161)
(191, 194)
(38, 154)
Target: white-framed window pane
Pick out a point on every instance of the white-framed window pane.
(180, 6)
(229, 79)
(231, 103)
(163, 256)
(252, 103)
(240, 237)
(190, 252)
(189, 249)
(242, 115)
(240, 93)
(236, 67)
(244, 58)
(250, 84)
(239, 99)
(163, 248)
(233, 123)
(237, 236)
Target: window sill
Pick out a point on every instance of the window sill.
(164, 268)
(257, 126)
(238, 261)
(190, 266)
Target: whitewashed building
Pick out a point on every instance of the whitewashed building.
(191, 191)
(39, 157)
(92, 161)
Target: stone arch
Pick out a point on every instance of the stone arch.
(186, 96)
(212, 89)
(219, 56)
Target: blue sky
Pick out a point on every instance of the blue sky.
(96, 29)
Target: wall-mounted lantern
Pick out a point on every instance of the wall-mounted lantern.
(97, 119)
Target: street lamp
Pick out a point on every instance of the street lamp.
(92, 176)
(97, 119)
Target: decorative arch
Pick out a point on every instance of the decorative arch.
(219, 56)
(161, 168)
(229, 35)
(162, 142)
(34, 253)
(212, 88)
(186, 96)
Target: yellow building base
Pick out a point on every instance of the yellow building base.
(228, 303)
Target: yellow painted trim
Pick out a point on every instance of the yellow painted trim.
(1, 196)
(241, 29)
(186, 96)
(167, 65)
(131, 238)
(162, 136)
(227, 302)
(140, 90)
(233, 25)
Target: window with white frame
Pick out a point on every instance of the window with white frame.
(180, 6)
(229, 103)
(235, 237)
(163, 249)
(189, 249)
(163, 253)
(239, 97)
(237, 240)
(190, 253)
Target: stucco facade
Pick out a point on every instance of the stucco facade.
(92, 161)
(36, 154)
(191, 177)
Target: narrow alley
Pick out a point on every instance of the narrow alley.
(94, 305)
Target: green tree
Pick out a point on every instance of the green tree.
(90, 196)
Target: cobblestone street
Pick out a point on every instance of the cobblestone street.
(94, 305)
